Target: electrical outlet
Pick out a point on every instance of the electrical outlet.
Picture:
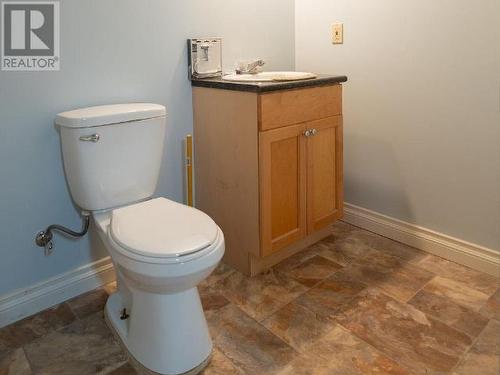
(337, 33)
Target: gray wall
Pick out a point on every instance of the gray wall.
(112, 51)
(422, 116)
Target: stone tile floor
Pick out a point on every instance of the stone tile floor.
(354, 303)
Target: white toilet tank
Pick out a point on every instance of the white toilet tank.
(112, 154)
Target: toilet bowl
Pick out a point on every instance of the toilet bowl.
(161, 250)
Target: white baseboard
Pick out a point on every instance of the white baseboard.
(41, 296)
(459, 251)
(38, 297)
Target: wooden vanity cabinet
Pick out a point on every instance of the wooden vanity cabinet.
(268, 169)
(283, 184)
(300, 181)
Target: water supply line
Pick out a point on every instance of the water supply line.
(44, 238)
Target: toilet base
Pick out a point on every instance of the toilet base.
(158, 359)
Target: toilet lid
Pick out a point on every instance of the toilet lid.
(162, 228)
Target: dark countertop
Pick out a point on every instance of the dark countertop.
(259, 87)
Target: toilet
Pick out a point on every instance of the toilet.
(161, 249)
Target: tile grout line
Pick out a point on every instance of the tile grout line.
(262, 326)
(308, 289)
(486, 301)
(422, 288)
(466, 352)
(360, 338)
(287, 303)
(260, 322)
(225, 356)
(72, 311)
(461, 358)
(473, 338)
(118, 366)
(390, 356)
(376, 349)
(28, 360)
(51, 330)
(349, 262)
(392, 272)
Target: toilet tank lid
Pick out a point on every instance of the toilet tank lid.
(109, 114)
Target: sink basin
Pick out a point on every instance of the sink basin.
(269, 77)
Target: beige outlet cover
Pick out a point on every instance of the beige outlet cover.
(337, 33)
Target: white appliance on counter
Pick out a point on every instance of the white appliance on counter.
(205, 57)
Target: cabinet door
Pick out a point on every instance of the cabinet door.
(282, 166)
(324, 173)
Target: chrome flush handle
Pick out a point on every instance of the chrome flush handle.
(90, 138)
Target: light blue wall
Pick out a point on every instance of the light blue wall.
(421, 107)
(111, 51)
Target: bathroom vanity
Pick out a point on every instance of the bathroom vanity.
(268, 164)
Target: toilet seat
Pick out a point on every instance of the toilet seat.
(160, 229)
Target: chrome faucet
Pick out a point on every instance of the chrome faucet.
(250, 67)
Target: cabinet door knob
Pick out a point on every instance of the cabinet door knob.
(313, 132)
(308, 133)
